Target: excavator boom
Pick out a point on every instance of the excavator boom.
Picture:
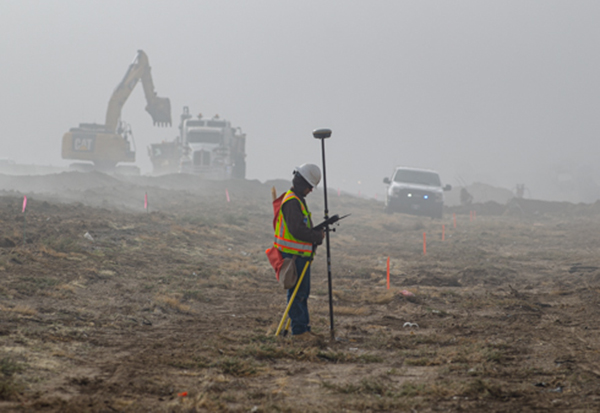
(159, 108)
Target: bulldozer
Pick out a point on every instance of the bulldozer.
(111, 143)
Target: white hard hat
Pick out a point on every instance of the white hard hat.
(310, 172)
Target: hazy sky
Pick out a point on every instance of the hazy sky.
(500, 92)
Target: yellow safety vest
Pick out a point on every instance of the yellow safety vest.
(284, 240)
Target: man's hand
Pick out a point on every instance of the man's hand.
(321, 235)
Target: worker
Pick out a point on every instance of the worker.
(294, 237)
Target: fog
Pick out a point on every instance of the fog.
(499, 92)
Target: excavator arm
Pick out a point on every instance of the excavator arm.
(159, 108)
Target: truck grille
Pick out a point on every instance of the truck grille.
(201, 158)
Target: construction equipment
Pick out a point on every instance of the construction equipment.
(211, 148)
(415, 191)
(108, 144)
(166, 156)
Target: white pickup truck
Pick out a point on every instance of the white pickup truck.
(415, 191)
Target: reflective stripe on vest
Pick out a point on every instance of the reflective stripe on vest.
(284, 240)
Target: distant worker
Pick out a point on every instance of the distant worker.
(295, 238)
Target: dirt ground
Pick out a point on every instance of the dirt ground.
(173, 309)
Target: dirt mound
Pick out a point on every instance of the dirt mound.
(481, 193)
(106, 306)
(489, 208)
(281, 185)
(526, 208)
(57, 183)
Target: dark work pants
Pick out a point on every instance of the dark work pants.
(299, 309)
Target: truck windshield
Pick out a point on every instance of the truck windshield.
(203, 137)
(417, 177)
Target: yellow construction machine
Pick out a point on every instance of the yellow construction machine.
(111, 143)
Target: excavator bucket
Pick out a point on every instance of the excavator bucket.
(160, 110)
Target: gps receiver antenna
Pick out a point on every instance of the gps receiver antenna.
(323, 134)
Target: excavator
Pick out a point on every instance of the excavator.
(107, 145)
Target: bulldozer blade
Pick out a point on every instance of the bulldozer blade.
(160, 110)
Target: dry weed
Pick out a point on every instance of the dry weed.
(379, 298)
(25, 310)
(9, 386)
(49, 251)
(174, 303)
(67, 287)
(20, 309)
(351, 310)
(237, 367)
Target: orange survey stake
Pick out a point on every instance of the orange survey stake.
(388, 273)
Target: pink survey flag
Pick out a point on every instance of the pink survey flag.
(24, 203)
(146, 200)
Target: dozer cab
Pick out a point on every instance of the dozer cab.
(111, 143)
